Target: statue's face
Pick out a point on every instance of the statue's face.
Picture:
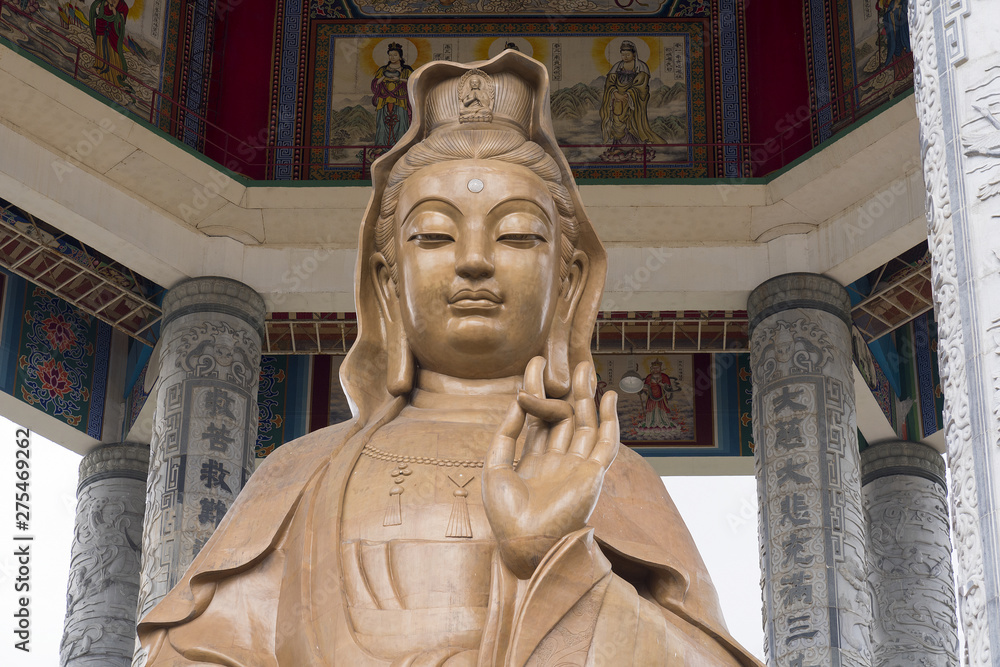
(478, 272)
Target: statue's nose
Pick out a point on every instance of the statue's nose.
(475, 258)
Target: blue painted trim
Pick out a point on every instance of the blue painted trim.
(13, 316)
(925, 374)
(297, 397)
(288, 89)
(98, 391)
(817, 13)
(197, 81)
(729, 58)
(727, 411)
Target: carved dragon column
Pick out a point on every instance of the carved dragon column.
(205, 424)
(909, 555)
(816, 601)
(957, 90)
(104, 567)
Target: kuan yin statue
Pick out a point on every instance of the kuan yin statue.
(479, 509)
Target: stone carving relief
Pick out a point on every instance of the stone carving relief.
(910, 564)
(219, 351)
(153, 582)
(951, 349)
(104, 568)
(981, 134)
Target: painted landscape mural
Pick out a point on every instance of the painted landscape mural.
(121, 43)
(616, 100)
(466, 8)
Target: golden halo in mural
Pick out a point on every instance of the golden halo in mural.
(500, 43)
(380, 51)
(613, 50)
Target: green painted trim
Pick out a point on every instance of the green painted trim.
(311, 184)
(871, 115)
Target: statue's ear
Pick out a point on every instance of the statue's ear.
(557, 370)
(399, 358)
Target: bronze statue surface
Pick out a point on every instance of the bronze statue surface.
(478, 509)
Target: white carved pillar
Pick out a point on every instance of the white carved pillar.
(205, 423)
(104, 567)
(816, 601)
(957, 90)
(909, 555)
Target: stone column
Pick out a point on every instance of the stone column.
(909, 555)
(816, 601)
(104, 568)
(957, 86)
(205, 424)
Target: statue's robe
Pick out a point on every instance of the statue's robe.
(630, 589)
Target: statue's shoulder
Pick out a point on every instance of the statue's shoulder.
(631, 476)
(306, 452)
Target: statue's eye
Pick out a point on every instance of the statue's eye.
(431, 239)
(522, 240)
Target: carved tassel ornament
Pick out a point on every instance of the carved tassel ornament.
(459, 524)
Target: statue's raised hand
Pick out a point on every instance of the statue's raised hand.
(553, 489)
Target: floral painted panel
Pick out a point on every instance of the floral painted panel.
(62, 361)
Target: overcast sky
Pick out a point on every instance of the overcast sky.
(720, 511)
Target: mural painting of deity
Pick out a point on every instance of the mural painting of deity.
(107, 28)
(663, 410)
(389, 97)
(881, 38)
(121, 42)
(624, 113)
(658, 389)
(895, 29)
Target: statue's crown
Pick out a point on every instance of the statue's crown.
(501, 100)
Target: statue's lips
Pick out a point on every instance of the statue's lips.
(475, 300)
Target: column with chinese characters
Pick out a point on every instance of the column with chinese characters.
(205, 425)
(816, 599)
(104, 567)
(909, 555)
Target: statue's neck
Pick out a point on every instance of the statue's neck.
(483, 401)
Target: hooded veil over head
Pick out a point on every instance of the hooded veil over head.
(520, 105)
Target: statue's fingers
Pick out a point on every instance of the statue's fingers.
(561, 435)
(535, 434)
(553, 411)
(608, 441)
(534, 381)
(549, 410)
(585, 410)
(501, 451)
